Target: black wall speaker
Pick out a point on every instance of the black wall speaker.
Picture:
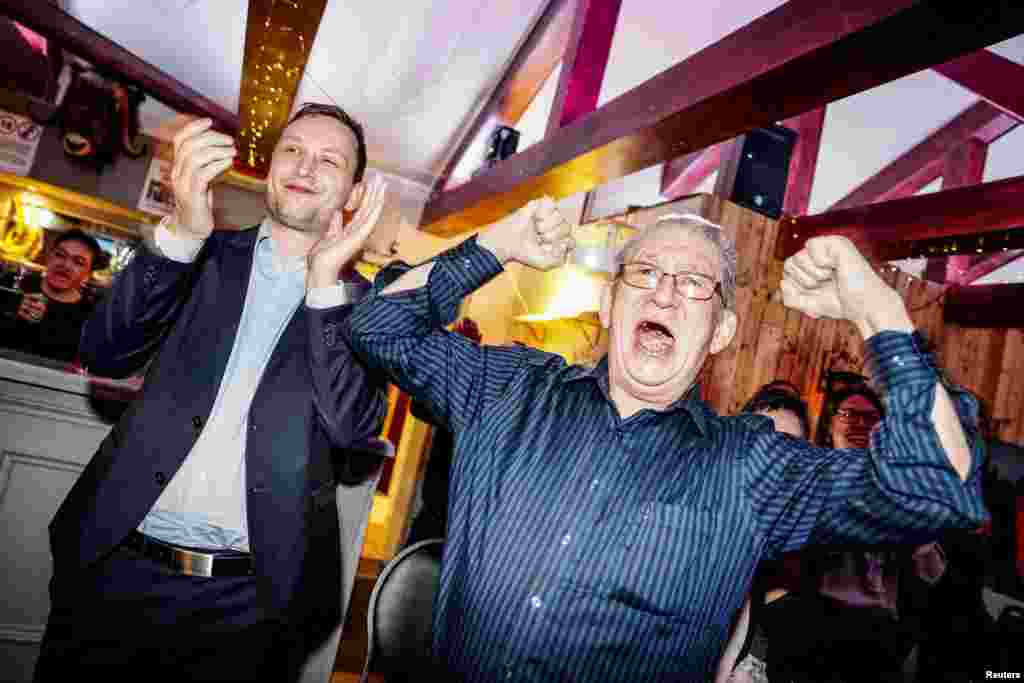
(760, 167)
(502, 144)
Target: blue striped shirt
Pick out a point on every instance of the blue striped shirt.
(586, 547)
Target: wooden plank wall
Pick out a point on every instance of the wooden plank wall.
(773, 342)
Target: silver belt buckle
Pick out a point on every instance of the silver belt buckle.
(192, 564)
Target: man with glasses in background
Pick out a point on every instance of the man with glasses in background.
(604, 522)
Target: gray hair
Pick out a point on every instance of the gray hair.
(692, 224)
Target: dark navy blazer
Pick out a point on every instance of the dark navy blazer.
(314, 404)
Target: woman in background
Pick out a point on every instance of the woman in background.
(746, 652)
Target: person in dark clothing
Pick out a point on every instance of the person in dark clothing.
(47, 318)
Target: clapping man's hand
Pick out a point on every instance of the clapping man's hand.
(200, 155)
(342, 242)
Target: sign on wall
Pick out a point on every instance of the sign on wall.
(19, 139)
(157, 194)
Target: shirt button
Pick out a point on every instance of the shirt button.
(594, 484)
(467, 263)
(566, 539)
(197, 422)
(160, 478)
(535, 602)
(508, 674)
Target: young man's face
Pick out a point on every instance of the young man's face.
(68, 266)
(312, 173)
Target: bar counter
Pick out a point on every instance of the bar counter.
(52, 418)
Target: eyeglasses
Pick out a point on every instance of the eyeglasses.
(695, 286)
(865, 417)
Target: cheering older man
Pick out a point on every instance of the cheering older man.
(605, 523)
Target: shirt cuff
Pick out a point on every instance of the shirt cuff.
(328, 297)
(470, 266)
(899, 359)
(180, 248)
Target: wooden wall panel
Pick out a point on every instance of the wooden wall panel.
(773, 342)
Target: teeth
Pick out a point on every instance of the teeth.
(655, 347)
(653, 339)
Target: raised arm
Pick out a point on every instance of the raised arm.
(400, 327)
(349, 398)
(830, 278)
(921, 472)
(131, 320)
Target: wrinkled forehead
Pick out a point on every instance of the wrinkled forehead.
(677, 247)
(858, 402)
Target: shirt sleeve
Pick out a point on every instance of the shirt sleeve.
(329, 297)
(404, 334)
(901, 489)
(180, 248)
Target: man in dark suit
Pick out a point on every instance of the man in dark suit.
(202, 540)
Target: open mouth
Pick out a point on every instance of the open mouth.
(654, 339)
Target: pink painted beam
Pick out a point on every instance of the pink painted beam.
(47, 19)
(535, 58)
(896, 229)
(803, 161)
(991, 77)
(963, 166)
(683, 175)
(775, 67)
(996, 306)
(990, 265)
(923, 163)
(584, 61)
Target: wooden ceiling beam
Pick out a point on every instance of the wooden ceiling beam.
(804, 160)
(530, 66)
(990, 264)
(900, 228)
(584, 61)
(777, 66)
(989, 76)
(48, 20)
(923, 163)
(683, 175)
(963, 166)
(995, 306)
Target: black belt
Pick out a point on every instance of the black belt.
(188, 561)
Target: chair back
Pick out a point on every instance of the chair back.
(400, 616)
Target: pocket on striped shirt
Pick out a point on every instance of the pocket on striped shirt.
(658, 569)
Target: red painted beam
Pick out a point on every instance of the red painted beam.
(963, 166)
(803, 161)
(780, 65)
(990, 76)
(990, 265)
(531, 65)
(985, 306)
(894, 229)
(683, 175)
(48, 20)
(923, 163)
(584, 61)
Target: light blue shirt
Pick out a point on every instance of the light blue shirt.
(204, 504)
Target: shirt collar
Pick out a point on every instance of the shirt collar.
(270, 261)
(690, 402)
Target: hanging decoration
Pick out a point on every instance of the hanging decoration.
(99, 119)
